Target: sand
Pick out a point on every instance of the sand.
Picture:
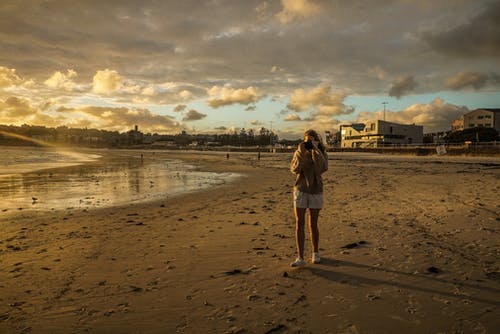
(408, 245)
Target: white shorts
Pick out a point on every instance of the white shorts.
(305, 200)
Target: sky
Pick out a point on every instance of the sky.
(219, 65)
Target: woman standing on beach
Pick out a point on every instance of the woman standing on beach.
(309, 162)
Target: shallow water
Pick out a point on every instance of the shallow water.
(112, 182)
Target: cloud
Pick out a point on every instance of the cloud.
(121, 118)
(185, 94)
(477, 37)
(292, 118)
(434, 116)
(223, 96)
(14, 107)
(377, 72)
(8, 77)
(255, 122)
(321, 99)
(180, 107)
(106, 81)
(18, 111)
(193, 115)
(465, 79)
(60, 80)
(250, 108)
(220, 128)
(297, 9)
(402, 86)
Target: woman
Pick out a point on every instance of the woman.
(309, 162)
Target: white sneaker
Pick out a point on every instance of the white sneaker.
(316, 258)
(299, 262)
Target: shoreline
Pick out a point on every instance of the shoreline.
(218, 260)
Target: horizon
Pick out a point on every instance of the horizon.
(286, 65)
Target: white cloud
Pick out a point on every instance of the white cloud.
(297, 9)
(61, 80)
(434, 116)
(321, 98)
(185, 95)
(292, 117)
(106, 81)
(223, 96)
(8, 77)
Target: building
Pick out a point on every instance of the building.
(458, 124)
(488, 118)
(380, 133)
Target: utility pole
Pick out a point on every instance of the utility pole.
(271, 136)
(384, 103)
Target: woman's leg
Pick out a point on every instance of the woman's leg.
(300, 219)
(313, 228)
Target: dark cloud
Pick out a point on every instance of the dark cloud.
(402, 86)
(478, 37)
(180, 107)
(234, 42)
(464, 79)
(193, 115)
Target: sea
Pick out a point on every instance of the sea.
(34, 179)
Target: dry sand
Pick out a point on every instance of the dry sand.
(408, 245)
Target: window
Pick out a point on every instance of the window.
(488, 125)
(480, 117)
(472, 125)
(487, 116)
(372, 126)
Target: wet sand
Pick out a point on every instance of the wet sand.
(408, 244)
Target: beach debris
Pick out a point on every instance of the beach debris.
(433, 270)
(34, 200)
(285, 274)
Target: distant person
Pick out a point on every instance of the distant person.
(309, 162)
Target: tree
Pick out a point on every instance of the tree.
(479, 134)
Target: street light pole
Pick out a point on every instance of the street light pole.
(384, 103)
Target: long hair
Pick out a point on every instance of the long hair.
(316, 137)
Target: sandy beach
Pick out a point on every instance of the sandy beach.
(408, 245)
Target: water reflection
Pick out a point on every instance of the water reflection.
(99, 185)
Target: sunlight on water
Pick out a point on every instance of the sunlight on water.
(97, 184)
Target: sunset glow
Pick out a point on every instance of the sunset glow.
(214, 66)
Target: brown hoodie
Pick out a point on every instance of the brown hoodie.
(308, 165)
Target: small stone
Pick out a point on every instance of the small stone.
(285, 274)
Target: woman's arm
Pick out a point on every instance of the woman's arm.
(320, 160)
(298, 160)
